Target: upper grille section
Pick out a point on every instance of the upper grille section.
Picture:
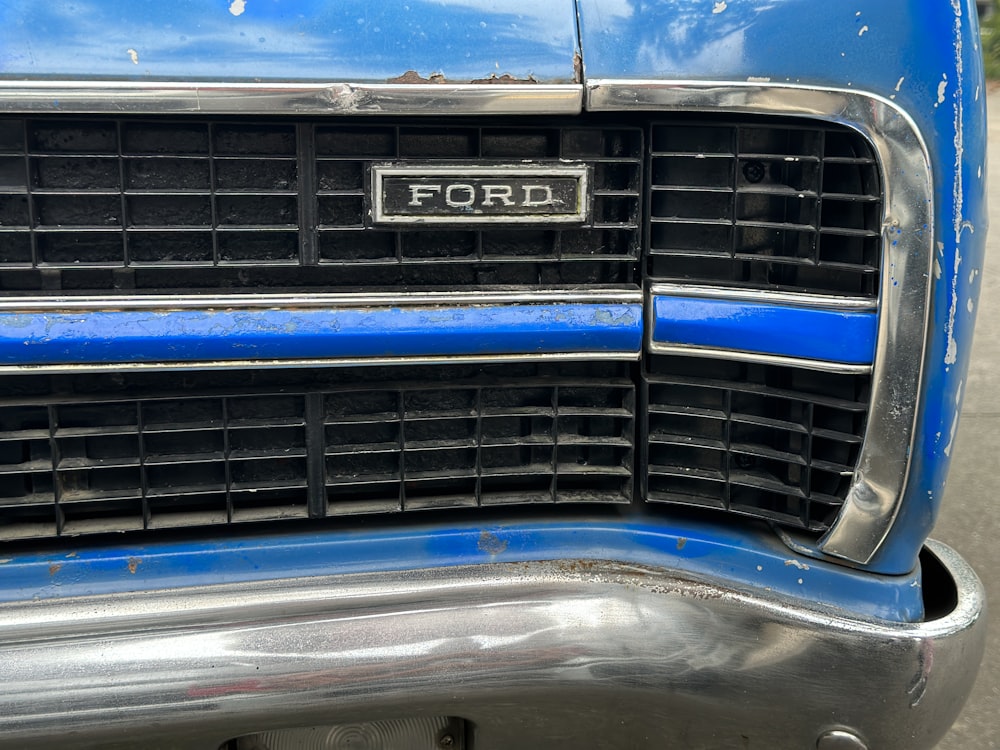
(768, 206)
(99, 205)
(106, 205)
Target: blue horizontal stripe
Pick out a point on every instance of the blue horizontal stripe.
(785, 330)
(739, 556)
(211, 335)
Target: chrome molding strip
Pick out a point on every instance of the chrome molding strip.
(554, 643)
(765, 297)
(255, 364)
(280, 98)
(761, 296)
(165, 302)
(732, 355)
(879, 482)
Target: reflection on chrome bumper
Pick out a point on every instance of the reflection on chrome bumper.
(566, 654)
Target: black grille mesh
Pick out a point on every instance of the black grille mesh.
(109, 453)
(766, 206)
(762, 440)
(100, 205)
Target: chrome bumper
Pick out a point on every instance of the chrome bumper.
(567, 654)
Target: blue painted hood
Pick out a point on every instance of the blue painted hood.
(347, 40)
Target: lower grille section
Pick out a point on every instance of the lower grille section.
(97, 453)
(767, 441)
(119, 453)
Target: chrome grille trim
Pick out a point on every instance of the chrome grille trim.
(268, 364)
(205, 97)
(813, 301)
(879, 483)
(374, 299)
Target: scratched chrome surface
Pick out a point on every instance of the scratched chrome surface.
(533, 654)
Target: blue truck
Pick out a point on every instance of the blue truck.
(479, 374)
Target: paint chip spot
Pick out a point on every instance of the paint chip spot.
(969, 305)
(862, 30)
(238, 7)
(133, 56)
(758, 79)
(491, 543)
(797, 564)
(54, 568)
(800, 582)
(680, 543)
(942, 88)
(760, 567)
(954, 421)
(133, 564)
(900, 82)
(719, 7)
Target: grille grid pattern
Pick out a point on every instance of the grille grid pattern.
(768, 441)
(354, 442)
(103, 205)
(120, 205)
(765, 206)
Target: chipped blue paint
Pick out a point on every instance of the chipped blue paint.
(349, 40)
(921, 55)
(747, 558)
(806, 333)
(209, 335)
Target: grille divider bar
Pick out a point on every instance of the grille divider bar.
(554, 486)
(53, 416)
(306, 181)
(401, 464)
(143, 478)
(818, 236)
(315, 454)
(123, 198)
(212, 183)
(807, 469)
(479, 443)
(227, 464)
(30, 198)
(734, 170)
(729, 458)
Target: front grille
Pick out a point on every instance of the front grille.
(767, 441)
(101, 206)
(115, 206)
(766, 206)
(116, 453)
